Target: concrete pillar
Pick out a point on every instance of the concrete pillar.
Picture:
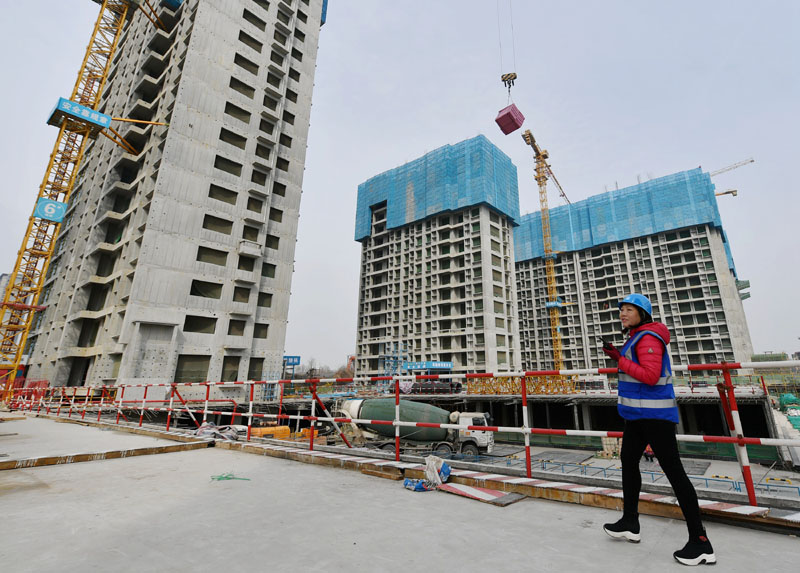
(587, 416)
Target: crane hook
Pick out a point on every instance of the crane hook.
(508, 81)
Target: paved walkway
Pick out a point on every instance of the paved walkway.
(165, 511)
(39, 437)
(651, 472)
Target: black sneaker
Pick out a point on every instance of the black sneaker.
(696, 552)
(626, 528)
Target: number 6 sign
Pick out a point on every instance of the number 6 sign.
(50, 210)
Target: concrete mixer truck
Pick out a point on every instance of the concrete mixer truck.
(439, 440)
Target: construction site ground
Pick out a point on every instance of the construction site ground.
(150, 511)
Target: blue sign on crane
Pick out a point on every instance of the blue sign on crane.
(67, 109)
(50, 210)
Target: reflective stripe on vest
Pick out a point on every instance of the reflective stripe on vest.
(633, 403)
(636, 399)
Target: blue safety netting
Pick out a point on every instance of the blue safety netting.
(452, 177)
(679, 200)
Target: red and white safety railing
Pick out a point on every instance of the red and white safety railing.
(112, 398)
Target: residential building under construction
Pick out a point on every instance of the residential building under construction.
(662, 238)
(175, 263)
(437, 265)
(456, 276)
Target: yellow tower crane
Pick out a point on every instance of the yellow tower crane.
(78, 121)
(553, 303)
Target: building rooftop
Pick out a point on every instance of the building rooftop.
(449, 178)
(675, 201)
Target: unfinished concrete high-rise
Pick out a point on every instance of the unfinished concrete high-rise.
(662, 238)
(176, 263)
(437, 263)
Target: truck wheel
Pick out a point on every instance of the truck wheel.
(443, 449)
(469, 450)
(387, 447)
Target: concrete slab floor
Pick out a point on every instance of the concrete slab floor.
(37, 437)
(164, 511)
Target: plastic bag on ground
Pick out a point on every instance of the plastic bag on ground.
(436, 470)
(211, 430)
(418, 485)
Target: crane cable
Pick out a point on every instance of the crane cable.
(508, 79)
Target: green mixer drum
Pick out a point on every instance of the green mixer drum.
(383, 409)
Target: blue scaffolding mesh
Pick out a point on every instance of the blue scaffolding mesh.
(679, 200)
(447, 179)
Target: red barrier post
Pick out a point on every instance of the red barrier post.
(119, 405)
(102, 397)
(527, 434)
(250, 411)
(726, 408)
(741, 449)
(49, 400)
(280, 404)
(233, 412)
(41, 399)
(335, 425)
(171, 398)
(186, 407)
(60, 400)
(72, 401)
(313, 422)
(397, 419)
(144, 401)
(205, 407)
(86, 403)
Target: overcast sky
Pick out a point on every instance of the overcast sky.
(615, 90)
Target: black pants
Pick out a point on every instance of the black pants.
(660, 434)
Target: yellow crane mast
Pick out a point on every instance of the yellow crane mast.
(78, 121)
(553, 304)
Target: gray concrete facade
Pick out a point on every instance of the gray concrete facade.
(684, 272)
(176, 263)
(440, 289)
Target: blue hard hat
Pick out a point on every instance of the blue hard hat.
(638, 300)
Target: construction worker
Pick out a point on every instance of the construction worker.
(646, 400)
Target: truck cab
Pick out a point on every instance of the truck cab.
(474, 441)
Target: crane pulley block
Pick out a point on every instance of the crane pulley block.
(509, 119)
(67, 109)
(508, 79)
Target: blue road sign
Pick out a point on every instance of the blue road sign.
(291, 360)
